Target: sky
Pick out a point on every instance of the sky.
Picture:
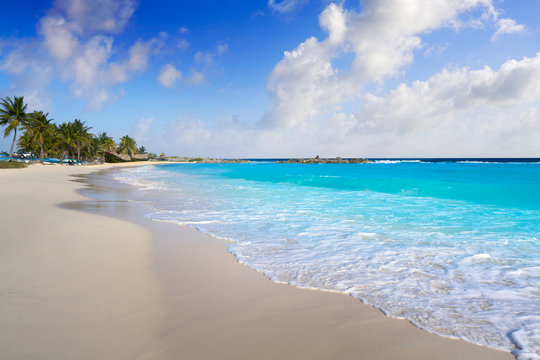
(284, 78)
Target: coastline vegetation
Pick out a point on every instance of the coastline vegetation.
(67, 141)
(12, 165)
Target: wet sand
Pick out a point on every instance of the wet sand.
(93, 279)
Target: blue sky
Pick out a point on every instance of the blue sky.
(284, 78)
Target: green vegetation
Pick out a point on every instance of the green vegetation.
(83, 138)
(103, 143)
(196, 159)
(42, 128)
(12, 165)
(69, 140)
(13, 116)
(127, 146)
(112, 159)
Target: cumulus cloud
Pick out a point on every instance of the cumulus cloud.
(305, 80)
(92, 72)
(76, 43)
(506, 26)
(455, 112)
(169, 75)
(381, 40)
(31, 73)
(450, 95)
(459, 112)
(143, 129)
(59, 36)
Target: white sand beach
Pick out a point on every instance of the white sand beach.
(79, 285)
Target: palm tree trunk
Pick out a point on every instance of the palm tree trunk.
(78, 152)
(12, 145)
(41, 154)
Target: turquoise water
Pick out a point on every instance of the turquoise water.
(452, 247)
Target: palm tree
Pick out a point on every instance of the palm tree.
(27, 143)
(127, 145)
(83, 137)
(106, 142)
(13, 115)
(66, 139)
(141, 150)
(50, 145)
(41, 127)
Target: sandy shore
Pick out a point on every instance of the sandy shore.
(81, 285)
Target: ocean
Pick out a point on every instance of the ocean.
(451, 245)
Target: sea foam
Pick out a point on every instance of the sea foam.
(453, 248)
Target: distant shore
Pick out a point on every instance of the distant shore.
(106, 283)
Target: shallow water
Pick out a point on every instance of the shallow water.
(452, 247)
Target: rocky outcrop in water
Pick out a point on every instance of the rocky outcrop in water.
(206, 160)
(319, 160)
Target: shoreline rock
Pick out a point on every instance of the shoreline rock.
(205, 160)
(318, 160)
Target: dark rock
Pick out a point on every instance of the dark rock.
(318, 160)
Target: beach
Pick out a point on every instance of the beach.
(94, 279)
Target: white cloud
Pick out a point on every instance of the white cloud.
(209, 57)
(97, 15)
(305, 81)
(24, 64)
(142, 130)
(59, 36)
(435, 50)
(186, 132)
(92, 73)
(204, 57)
(222, 49)
(459, 112)
(456, 112)
(183, 44)
(207, 61)
(451, 95)
(381, 39)
(189, 136)
(76, 42)
(286, 6)
(196, 77)
(506, 26)
(169, 75)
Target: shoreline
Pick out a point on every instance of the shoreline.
(218, 308)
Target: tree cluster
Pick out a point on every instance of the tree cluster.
(41, 135)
